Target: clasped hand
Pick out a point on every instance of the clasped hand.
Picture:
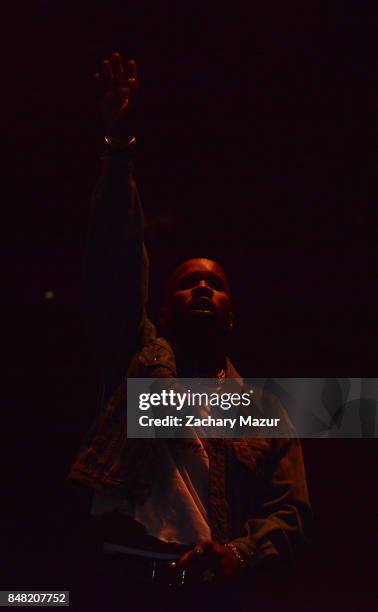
(211, 562)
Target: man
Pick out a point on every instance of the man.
(221, 508)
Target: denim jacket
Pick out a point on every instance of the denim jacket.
(258, 495)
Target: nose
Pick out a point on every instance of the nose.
(202, 289)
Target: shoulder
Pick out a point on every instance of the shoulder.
(155, 359)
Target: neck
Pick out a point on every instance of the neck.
(200, 361)
(200, 349)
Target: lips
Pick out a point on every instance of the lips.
(202, 305)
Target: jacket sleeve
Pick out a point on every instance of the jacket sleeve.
(116, 266)
(283, 517)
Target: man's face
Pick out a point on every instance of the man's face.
(198, 291)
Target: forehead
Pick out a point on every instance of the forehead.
(200, 266)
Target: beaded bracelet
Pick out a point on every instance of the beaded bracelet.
(119, 144)
(237, 554)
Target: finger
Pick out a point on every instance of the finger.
(132, 69)
(212, 553)
(124, 106)
(210, 549)
(119, 73)
(98, 81)
(184, 560)
(190, 557)
(107, 74)
(132, 84)
(207, 546)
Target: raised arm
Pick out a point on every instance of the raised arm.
(116, 271)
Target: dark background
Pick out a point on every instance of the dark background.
(257, 146)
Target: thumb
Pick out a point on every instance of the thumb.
(124, 106)
(207, 546)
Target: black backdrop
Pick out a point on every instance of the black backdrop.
(257, 146)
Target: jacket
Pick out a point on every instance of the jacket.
(258, 496)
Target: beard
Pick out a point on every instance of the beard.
(198, 329)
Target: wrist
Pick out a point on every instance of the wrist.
(119, 143)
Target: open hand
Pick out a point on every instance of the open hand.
(117, 91)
